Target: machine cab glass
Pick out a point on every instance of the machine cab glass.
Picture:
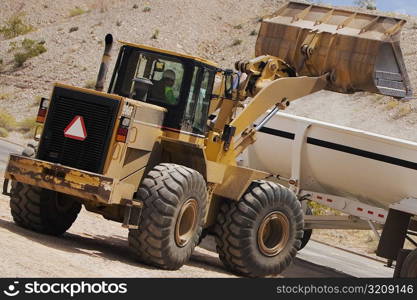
(180, 84)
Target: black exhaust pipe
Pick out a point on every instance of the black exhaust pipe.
(101, 78)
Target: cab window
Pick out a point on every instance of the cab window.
(181, 85)
(195, 116)
(164, 77)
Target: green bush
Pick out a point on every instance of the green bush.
(37, 101)
(27, 125)
(155, 34)
(5, 96)
(4, 133)
(321, 210)
(27, 49)
(31, 134)
(15, 26)
(7, 121)
(72, 29)
(368, 4)
(146, 9)
(76, 11)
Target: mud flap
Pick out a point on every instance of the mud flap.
(132, 214)
(402, 255)
(393, 234)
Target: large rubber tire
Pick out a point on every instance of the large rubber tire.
(167, 193)
(239, 224)
(42, 210)
(409, 267)
(307, 232)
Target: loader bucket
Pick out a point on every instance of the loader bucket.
(360, 51)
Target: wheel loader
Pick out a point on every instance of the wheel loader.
(158, 151)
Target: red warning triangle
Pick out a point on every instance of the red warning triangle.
(76, 129)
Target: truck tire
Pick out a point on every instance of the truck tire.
(307, 232)
(174, 201)
(260, 234)
(42, 210)
(409, 267)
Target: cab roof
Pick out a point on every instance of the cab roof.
(199, 59)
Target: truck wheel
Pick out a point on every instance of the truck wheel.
(307, 232)
(42, 210)
(174, 206)
(260, 234)
(409, 267)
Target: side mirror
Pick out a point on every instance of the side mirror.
(159, 66)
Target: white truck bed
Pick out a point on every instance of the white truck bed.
(344, 168)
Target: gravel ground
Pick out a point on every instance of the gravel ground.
(93, 247)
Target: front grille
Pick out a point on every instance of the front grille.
(99, 115)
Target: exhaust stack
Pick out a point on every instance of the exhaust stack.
(104, 63)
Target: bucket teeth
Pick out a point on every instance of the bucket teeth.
(360, 50)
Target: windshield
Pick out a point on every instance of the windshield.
(164, 73)
(179, 84)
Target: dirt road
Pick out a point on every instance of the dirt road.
(95, 247)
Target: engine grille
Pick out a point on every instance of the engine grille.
(99, 115)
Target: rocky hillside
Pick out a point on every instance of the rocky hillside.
(70, 38)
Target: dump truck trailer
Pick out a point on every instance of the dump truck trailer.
(158, 151)
(369, 177)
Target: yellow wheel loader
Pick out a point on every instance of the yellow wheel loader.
(157, 152)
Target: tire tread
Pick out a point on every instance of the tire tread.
(234, 223)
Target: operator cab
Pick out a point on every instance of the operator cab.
(180, 83)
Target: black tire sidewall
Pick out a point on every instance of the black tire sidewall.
(409, 267)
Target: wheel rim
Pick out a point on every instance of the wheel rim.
(186, 223)
(273, 233)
